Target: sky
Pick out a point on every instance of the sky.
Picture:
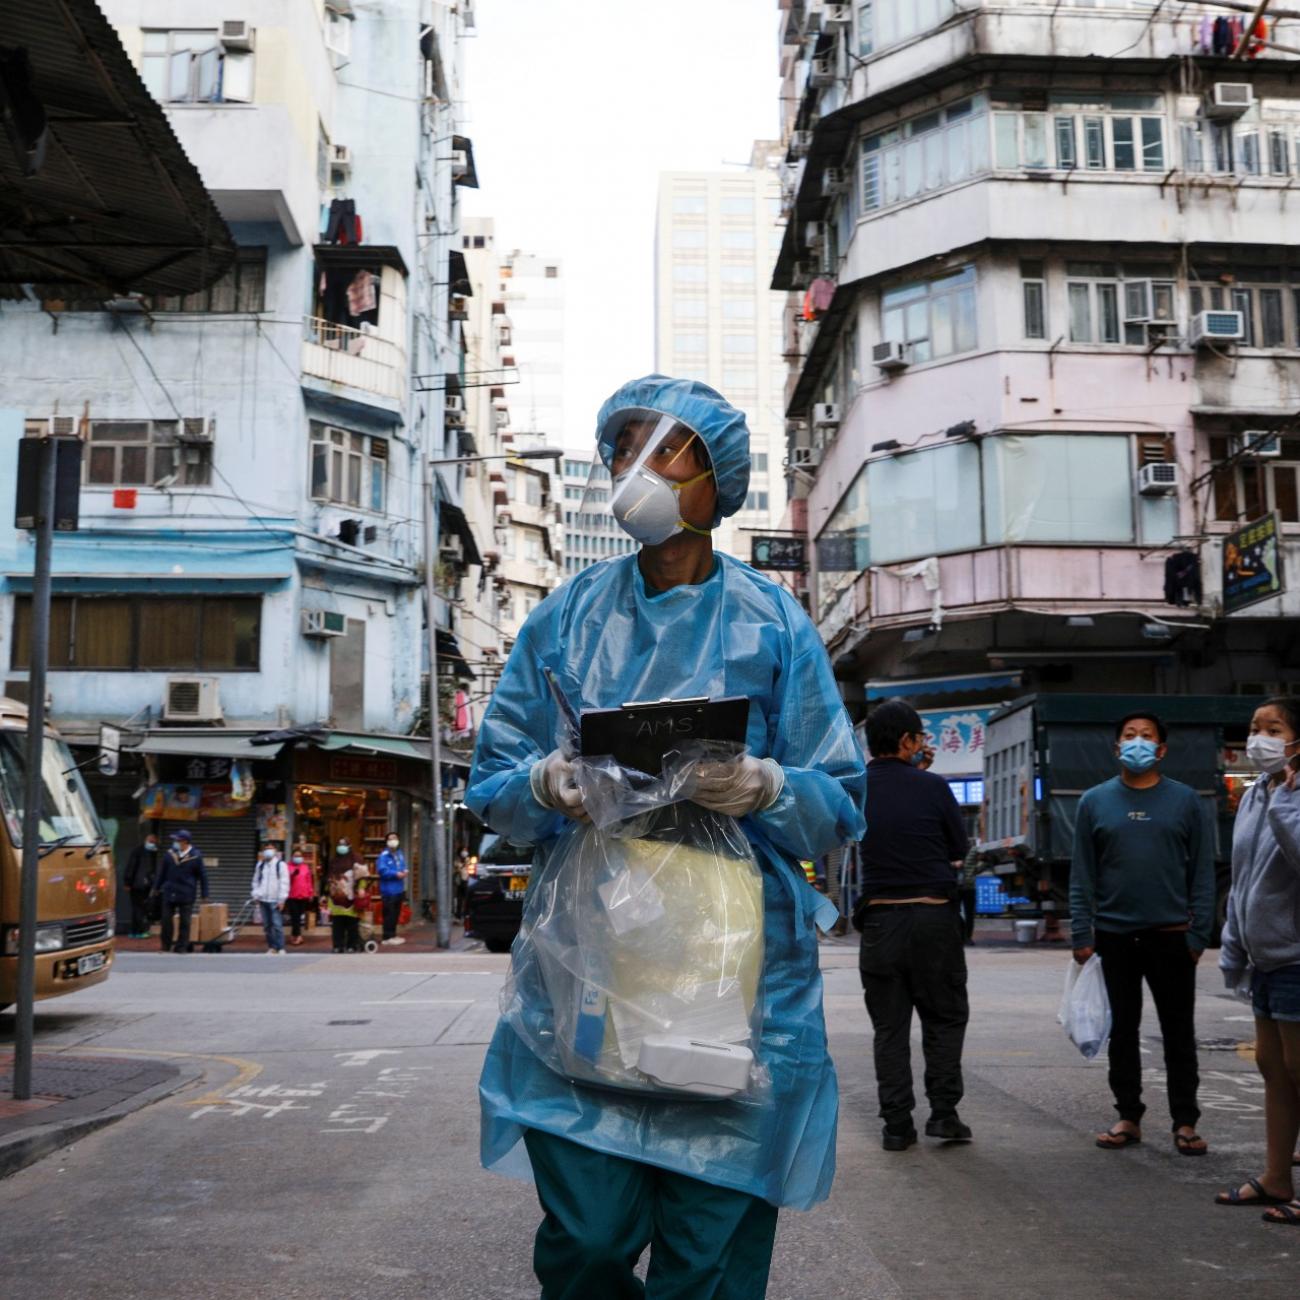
(575, 107)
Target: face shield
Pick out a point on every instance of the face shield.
(659, 480)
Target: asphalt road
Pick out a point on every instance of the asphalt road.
(331, 1151)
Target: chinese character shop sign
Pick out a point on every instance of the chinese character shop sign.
(1252, 564)
(957, 737)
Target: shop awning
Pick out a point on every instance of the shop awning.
(393, 746)
(451, 519)
(97, 197)
(209, 745)
(967, 683)
(458, 280)
(450, 653)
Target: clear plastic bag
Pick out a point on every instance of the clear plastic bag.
(1085, 1008)
(640, 957)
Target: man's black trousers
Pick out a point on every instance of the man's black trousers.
(184, 910)
(912, 958)
(1160, 957)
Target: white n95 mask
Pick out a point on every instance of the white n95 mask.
(648, 508)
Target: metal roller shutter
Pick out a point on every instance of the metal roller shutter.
(229, 848)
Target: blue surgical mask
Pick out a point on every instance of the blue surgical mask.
(1138, 755)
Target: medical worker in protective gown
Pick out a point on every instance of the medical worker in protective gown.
(698, 1181)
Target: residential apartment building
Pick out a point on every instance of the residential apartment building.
(251, 552)
(1045, 326)
(717, 319)
(591, 533)
(512, 501)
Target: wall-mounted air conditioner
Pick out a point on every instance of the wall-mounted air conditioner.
(812, 19)
(800, 143)
(805, 457)
(238, 37)
(837, 15)
(453, 417)
(835, 180)
(1259, 443)
(890, 356)
(1230, 99)
(1158, 479)
(341, 159)
(826, 415)
(814, 234)
(801, 274)
(459, 164)
(323, 623)
(196, 430)
(192, 699)
(338, 34)
(1209, 327)
(821, 72)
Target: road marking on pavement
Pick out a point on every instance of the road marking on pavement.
(365, 1056)
(245, 1071)
(421, 1002)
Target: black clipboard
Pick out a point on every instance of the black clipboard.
(640, 733)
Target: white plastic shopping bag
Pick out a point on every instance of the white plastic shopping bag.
(1085, 1008)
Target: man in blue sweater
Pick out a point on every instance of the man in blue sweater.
(1142, 897)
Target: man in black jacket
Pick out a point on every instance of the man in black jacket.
(912, 956)
(137, 879)
(179, 883)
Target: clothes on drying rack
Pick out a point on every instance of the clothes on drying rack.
(1183, 579)
(362, 293)
(343, 225)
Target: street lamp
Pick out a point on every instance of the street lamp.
(441, 858)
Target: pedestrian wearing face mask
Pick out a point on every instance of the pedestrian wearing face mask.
(141, 867)
(912, 956)
(1142, 894)
(271, 890)
(1261, 946)
(180, 881)
(301, 892)
(392, 887)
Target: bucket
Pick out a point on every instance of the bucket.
(1026, 931)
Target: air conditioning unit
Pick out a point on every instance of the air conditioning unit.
(812, 21)
(1216, 327)
(341, 159)
(821, 72)
(800, 143)
(835, 180)
(814, 234)
(459, 164)
(238, 37)
(890, 356)
(192, 699)
(195, 430)
(805, 457)
(802, 274)
(1158, 479)
(1258, 443)
(826, 415)
(453, 417)
(323, 623)
(1230, 99)
(58, 425)
(837, 15)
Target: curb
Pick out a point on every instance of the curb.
(30, 1145)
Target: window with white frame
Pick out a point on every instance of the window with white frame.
(1268, 298)
(932, 318)
(1069, 130)
(756, 501)
(690, 205)
(1247, 147)
(1251, 487)
(882, 23)
(1120, 304)
(927, 502)
(192, 67)
(347, 468)
(1033, 289)
(144, 453)
(936, 149)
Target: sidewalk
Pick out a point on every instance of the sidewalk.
(73, 1096)
(421, 936)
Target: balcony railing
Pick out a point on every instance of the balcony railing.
(357, 358)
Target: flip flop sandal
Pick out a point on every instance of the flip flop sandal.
(1289, 1212)
(1123, 1139)
(1261, 1197)
(1183, 1144)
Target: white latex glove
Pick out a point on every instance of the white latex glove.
(553, 786)
(742, 786)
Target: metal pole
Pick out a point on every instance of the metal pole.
(33, 785)
(442, 876)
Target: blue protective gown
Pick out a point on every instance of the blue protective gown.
(610, 640)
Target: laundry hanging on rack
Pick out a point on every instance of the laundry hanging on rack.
(1183, 579)
(343, 225)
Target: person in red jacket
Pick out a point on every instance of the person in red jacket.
(300, 895)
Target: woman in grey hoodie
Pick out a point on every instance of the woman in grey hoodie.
(1261, 939)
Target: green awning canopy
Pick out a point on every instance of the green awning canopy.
(212, 744)
(394, 746)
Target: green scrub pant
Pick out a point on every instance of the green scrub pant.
(707, 1243)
